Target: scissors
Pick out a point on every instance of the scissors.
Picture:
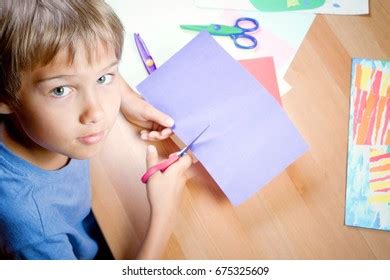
(162, 166)
(147, 59)
(236, 32)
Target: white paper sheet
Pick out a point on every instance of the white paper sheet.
(158, 23)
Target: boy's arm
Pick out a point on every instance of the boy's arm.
(156, 239)
(164, 192)
(156, 125)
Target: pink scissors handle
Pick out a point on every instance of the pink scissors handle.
(162, 166)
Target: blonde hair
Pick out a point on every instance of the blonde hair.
(32, 32)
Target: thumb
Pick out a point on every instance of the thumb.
(152, 114)
(151, 156)
(184, 163)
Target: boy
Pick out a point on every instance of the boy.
(60, 93)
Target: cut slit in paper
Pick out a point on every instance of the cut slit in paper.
(250, 139)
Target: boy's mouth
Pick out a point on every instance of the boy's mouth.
(93, 138)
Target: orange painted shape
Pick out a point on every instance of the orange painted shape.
(363, 128)
(387, 141)
(381, 109)
(358, 76)
(380, 168)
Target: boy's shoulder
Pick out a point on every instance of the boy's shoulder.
(30, 202)
(18, 212)
(13, 184)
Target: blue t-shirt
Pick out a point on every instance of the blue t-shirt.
(45, 214)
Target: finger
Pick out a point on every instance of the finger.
(152, 114)
(144, 134)
(192, 156)
(166, 132)
(156, 126)
(156, 135)
(151, 156)
(148, 136)
(186, 162)
(160, 135)
(182, 164)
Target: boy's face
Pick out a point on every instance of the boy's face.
(69, 109)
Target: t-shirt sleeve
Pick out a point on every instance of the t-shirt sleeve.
(55, 247)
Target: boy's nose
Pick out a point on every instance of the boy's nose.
(92, 112)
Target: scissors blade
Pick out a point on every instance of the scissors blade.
(194, 27)
(184, 150)
(215, 29)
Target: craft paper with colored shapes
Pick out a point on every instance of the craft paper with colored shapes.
(368, 178)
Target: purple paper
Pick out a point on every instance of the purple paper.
(250, 139)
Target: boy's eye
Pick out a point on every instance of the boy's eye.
(61, 91)
(105, 79)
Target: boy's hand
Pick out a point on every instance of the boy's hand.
(165, 190)
(136, 110)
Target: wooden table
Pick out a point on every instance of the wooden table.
(300, 213)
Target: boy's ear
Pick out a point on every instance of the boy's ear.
(5, 109)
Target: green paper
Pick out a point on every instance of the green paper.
(286, 5)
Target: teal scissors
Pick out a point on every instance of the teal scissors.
(236, 32)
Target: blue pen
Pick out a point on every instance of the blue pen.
(146, 58)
